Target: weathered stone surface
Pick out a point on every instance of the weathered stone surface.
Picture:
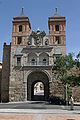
(5, 73)
(33, 59)
(57, 87)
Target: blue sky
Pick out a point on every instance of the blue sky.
(38, 12)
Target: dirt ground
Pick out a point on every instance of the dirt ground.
(38, 117)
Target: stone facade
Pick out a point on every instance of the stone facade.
(5, 73)
(30, 58)
(0, 78)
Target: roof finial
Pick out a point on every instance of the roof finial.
(56, 11)
(38, 31)
(22, 12)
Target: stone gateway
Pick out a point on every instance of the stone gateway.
(29, 59)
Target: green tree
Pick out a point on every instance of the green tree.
(63, 69)
(77, 60)
(62, 66)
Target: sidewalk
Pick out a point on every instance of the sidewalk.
(15, 111)
(39, 111)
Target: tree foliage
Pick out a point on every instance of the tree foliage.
(63, 66)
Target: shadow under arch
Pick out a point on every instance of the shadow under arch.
(34, 77)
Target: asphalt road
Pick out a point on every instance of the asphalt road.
(37, 111)
(35, 105)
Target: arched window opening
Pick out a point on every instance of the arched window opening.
(58, 41)
(39, 89)
(33, 62)
(44, 61)
(32, 59)
(57, 27)
(20, 28)
(19, 40)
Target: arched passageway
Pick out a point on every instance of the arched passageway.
(37, 78)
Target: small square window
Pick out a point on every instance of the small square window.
(18, 61)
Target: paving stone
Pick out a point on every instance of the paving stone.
(38, 117)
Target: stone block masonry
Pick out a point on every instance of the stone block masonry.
(5, 73)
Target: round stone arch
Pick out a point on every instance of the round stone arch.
(44, 58)
(34, 77)
(31, 56)
(45, 54)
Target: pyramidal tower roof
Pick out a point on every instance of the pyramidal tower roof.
(21, 18)
(22, 13)
(56, 17)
